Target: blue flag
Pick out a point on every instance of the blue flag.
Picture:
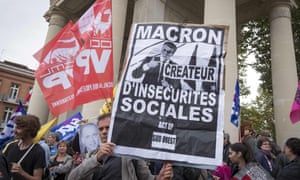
(69, 128)
(8, 132)
(235, 113)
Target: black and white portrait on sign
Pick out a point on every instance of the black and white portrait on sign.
(89, 138)
(170, 98)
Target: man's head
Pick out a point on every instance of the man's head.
(168, 49)
(248, 131)
(226, 138)
(27, 126)
(292, 148)
(52, 138)
(103, 126)
(89, 137)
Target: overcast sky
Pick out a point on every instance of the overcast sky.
(22, 30)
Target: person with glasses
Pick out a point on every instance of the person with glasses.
(103, 165)
(152, 67)
(265, 157)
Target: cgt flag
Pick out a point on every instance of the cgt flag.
(57, 85)
(8, 131)
(235, 113)
(295, 110)
(76, 67)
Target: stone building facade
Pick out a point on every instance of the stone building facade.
(15, 83)
(230, 12)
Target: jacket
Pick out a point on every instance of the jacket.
(65, 168)
(85, 170)
(291, 171)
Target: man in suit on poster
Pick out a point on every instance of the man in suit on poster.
(152, 68)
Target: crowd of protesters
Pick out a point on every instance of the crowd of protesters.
(254, 157)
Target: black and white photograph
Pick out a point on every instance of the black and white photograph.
(89, 139)
(170, 96)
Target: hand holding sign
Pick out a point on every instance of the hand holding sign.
(106, 149)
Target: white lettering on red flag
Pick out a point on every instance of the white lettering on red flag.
(77, 66)
(94, 62)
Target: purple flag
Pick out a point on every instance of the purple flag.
(295, 111)
(68, 129)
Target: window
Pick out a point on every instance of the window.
(13, 93)
(7, 113)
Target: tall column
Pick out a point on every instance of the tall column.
(284, 72)
(37, 104)
(119, 9)
(226, 15)
(149, 10)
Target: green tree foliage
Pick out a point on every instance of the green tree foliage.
(255, 40)
(260, 113)
(296, 34)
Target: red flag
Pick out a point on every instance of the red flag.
(295, 111)
(27, 98)
(93, 74)
(43, 54)
(55, 73)
(77, 66)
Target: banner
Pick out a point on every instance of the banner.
(295, 110)
(77, 65)
(170, 103)
(69, 128)
(8, 131)
(55, 73)
(235, 110)
(93, 72)
(45, 55)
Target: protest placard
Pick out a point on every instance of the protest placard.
(170, 102)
